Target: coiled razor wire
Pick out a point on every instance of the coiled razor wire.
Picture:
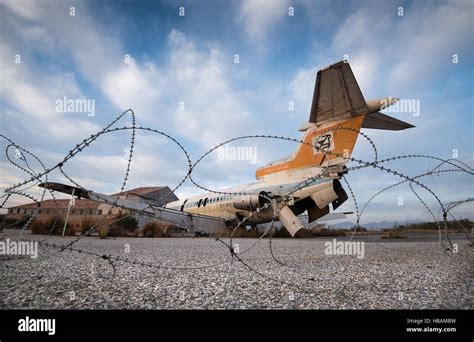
(35, 178)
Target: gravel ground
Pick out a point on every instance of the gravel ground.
(187, 273)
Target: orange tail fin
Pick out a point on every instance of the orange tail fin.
(329, 144)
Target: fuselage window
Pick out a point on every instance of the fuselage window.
(205, 202)
(199, 203)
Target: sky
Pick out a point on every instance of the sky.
(204, 72)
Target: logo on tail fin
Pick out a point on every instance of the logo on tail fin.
(323, 143)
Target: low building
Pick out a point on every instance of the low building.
(84, 208)
(81, 207)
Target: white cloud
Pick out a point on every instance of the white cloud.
(133, 87)
(199, 78)
(33, 97)
(25, 9)
(428, 45)
(259, 16)
(196, 76)
(213, 109)
(302, 88)
(366, 67)
(404, 52)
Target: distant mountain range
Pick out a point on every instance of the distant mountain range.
(374, 225)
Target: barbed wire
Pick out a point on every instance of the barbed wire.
(272, 202)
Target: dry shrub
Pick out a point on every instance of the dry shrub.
(88, 223)
(156, 229)
(123, 225)
(103, 232)
(52, 225)
(10, 222)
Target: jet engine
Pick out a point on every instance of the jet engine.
(250, 202)
(380, 104)
(334, 194)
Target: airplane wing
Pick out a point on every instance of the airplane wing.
(336, 95)
(334, 216)
(198, 223)
(327, 217)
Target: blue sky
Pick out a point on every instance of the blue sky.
(189, 59)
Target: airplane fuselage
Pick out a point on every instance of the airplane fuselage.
(221, 203)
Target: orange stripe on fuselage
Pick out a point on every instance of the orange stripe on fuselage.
(345, 135)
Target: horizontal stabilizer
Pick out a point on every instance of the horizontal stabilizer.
(381, 121)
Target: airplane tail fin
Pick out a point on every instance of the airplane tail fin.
(338, 112)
